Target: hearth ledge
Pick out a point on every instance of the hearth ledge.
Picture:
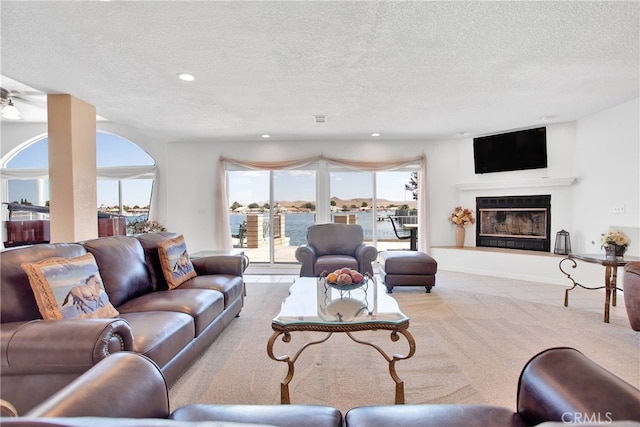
(515, 264)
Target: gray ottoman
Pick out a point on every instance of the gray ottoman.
(407, 268)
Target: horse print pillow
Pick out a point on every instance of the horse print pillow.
(176, 264)
(69, 288)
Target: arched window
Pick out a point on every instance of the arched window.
(130, 195)
(125, 176)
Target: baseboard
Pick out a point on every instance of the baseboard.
(541, 267)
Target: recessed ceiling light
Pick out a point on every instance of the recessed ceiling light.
(546, 118)
(463, 133)
(375, 134)
(186, 77)
(266, 136)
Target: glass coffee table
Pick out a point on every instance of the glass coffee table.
(313, 305)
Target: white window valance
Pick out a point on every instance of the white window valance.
(112, 173)
(109, 173)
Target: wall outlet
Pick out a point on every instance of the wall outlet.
(618, 209)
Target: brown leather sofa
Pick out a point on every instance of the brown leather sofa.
(333, 246)
(632, 294)
(559, 386)
(171, 327)
(128, 389)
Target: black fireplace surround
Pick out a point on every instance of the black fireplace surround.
(514, 222)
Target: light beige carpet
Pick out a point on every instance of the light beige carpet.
(470, 348)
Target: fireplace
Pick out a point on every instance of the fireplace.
(514, 222)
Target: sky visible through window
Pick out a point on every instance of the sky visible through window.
(252, 186)
(111, 150)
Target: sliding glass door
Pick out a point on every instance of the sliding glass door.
(352, 200)
(270, 211)
(397, 206)
(294, 196)
(373, 200)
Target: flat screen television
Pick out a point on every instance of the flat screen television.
(519, 150)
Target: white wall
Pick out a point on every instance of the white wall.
(16, 133)
(602, 152)
(194, 167)
(560, 150)
(607, 163)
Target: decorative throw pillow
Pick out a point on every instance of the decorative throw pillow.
(68, 288)
(176, 264)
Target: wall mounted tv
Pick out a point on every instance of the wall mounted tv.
(519, 150)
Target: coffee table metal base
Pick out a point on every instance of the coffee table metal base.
(396, 331)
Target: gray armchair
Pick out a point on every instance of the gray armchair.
(333, 246)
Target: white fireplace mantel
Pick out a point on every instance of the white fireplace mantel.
(518, 183)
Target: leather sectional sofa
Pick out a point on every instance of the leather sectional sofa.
(129, 389)
(170, 327)
(558, 386)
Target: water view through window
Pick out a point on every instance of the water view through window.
(270, 211)
(297, 224)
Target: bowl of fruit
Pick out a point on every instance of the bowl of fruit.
(346, 279)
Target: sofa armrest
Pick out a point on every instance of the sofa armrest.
(366, 254)
(7, 409)
(631, 280)
(306, 254)
(220, 264)
(125, 385)
(43, 346)
(563, 385)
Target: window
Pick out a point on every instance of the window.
(116, 158)
(269, 211)
(286, 203)
(131, 197)
(370, 199)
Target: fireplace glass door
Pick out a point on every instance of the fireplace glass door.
(521, 223)
(514, 222)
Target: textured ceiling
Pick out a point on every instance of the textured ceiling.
(408, 70)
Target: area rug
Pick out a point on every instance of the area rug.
(470, 348)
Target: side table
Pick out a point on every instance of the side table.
(610, 276)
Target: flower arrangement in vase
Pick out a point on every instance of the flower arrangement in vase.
(461, 217)
(615, 243)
